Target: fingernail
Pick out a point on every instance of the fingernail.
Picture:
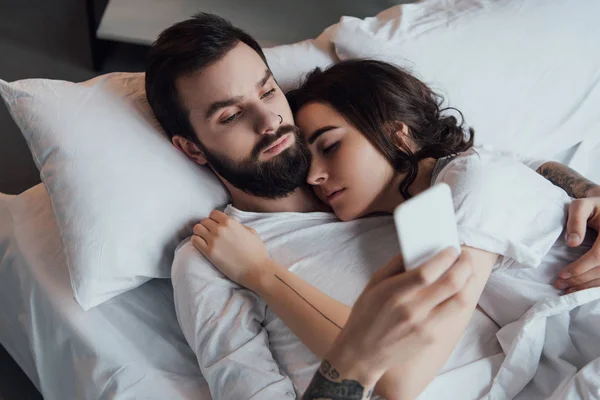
(562, 285)
(573, 238)
(565, 275)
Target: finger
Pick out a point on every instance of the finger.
(405, 285)
(577, 280)
(251, 230)
(447, 310)
(201, 231)
(452, 282)
(579, 213)
(430, 271)
(587, 285)
(211, 225)
(394, 267)
(588, 261)
(219, 216)
(200, 244)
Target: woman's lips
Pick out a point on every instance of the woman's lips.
(335, 195)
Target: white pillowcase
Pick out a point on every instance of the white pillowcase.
(123, 196)
(524, 73)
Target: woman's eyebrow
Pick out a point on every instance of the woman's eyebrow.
(315, 135)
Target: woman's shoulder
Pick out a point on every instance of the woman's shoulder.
(481, 167)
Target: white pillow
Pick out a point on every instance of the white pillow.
(123, 196)
(524, 73)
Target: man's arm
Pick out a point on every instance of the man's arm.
(572, 182)
(222, 324)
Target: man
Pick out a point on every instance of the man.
(210, 87)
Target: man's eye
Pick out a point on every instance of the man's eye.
(268, 94)
(330, 149)
(230, 119)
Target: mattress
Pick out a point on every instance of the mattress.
(130, 347)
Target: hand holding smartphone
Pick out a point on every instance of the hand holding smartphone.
(426, 225)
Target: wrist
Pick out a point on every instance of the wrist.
(265, 277)
(350, 364)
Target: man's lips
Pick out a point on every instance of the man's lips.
(278, 145)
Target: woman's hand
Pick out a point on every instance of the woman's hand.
(583, 273)
(236, 250)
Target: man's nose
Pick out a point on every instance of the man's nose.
(268, 122)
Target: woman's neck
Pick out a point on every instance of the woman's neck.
(392, 197)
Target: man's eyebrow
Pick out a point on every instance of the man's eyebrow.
(268, 74)
(217, 105)
(319, 132)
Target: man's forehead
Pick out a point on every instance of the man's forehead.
(234, 75)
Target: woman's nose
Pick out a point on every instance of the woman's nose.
(316, 174)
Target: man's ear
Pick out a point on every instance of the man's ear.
(190, 149)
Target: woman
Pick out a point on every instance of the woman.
(378, 136)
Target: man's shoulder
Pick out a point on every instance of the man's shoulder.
(189, 260)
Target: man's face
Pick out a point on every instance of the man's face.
(234, 107)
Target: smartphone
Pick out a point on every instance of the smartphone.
(426, 224)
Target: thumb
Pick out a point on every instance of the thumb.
(579, 213)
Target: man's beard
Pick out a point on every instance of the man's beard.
(275, 178)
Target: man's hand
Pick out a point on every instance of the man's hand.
(584, 273)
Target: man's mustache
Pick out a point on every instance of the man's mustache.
(268, 140)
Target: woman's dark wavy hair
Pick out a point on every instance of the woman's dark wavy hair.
(375, 97)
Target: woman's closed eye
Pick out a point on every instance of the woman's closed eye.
(331, 148)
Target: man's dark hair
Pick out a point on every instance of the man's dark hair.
(184, 48)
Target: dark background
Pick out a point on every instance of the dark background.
(44, 39)
(48, 39)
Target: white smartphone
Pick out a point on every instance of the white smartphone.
(426, 224)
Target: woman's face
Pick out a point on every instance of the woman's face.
(347, 171)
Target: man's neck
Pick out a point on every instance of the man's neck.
(302, 199)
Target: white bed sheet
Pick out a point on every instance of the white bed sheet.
(129, 347)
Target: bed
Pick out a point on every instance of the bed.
(128, 347)
(131, 346)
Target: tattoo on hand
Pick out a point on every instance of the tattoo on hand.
(569, 180)
(324, 386)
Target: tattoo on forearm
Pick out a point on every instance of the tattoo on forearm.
(324, 386)
(569, 180)
(307, 302)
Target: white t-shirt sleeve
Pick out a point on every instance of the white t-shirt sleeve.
(504, 207)
(222, 322)
(532, 163)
